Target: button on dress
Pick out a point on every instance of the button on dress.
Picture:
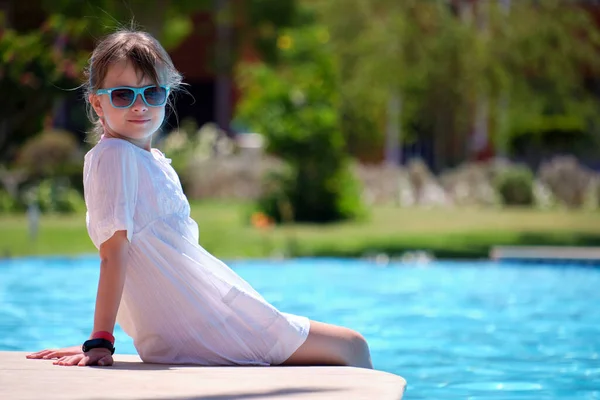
(180, 304)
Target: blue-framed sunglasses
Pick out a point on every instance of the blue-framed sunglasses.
(124, 96)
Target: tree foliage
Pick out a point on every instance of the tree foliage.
(34, 67)
(296, 106)
(529, 65)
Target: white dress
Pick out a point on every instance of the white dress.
(180, 304)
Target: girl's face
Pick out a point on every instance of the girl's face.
(137, 122)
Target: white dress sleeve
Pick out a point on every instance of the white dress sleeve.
(111, 186)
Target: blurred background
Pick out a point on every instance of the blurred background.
(381, 128)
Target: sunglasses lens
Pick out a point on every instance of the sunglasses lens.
(156, 96)
(122, 97)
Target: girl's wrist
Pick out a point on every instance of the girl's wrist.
(103, 335)
(98, 343)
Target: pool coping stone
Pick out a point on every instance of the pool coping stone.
(131, 379)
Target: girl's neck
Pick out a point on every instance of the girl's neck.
(144, 144)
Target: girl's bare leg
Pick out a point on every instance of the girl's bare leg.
(332, 345)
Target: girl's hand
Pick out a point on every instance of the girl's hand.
(101, 357)
(50, 354)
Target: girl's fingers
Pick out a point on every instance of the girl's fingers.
(39, 354)
(67, 360)
(59, 360)
(83, 360)
(105, 361)
(76, 359)
(51, 354)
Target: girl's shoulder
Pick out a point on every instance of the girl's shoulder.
(111, 152)
(111, 146)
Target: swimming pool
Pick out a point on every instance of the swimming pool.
(454, 330)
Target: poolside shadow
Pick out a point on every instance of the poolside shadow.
(145, 366)
(251, 395)
(141, 366)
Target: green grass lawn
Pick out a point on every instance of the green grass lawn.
(225, 231)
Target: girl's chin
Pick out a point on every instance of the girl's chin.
(139, 129)
(135, 134)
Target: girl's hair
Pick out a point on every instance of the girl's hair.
(141, 49)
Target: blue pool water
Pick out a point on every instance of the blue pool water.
(468, 330)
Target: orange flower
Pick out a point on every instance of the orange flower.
(261, 220)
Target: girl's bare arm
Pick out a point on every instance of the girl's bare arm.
(114, 254)
(113, 265)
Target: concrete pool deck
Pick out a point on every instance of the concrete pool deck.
(129, 379)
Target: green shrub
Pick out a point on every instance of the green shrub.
(50, 153)
(569, 181)
(296, 107)
(515, 186)
(471, 184)
(289, 197)
(54, 196)
(276, 200)
(8, 204)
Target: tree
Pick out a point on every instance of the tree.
(549, 53)
(442, 62)
(296, 106)
(35, 65)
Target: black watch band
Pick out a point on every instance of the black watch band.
(98, 344)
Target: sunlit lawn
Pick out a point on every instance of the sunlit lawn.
(225, 231)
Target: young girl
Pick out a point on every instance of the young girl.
(179, 303)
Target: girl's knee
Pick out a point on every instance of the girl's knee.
(357, 340)
(358, 352)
